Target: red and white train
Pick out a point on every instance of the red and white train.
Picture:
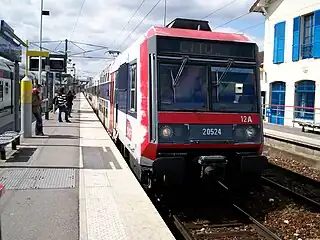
(184, 101)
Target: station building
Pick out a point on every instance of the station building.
(291, 66)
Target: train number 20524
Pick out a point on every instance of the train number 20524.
(211, 132)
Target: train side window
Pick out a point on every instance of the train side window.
(6, 87)
(1, 91)
(133, 84)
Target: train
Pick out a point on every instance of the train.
(183, 103)
(6, 85)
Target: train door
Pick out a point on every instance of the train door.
(1, 96)
(104, 112)
(131, 97)
(278, 94)
(112, 93)
(263, 103)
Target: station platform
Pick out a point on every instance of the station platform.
(74, 184)
(294, 134)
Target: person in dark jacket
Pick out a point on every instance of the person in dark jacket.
(62, 105)
(36, 109)
(70, 98)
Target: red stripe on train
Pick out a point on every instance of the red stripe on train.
(211, 146)
(208, 118)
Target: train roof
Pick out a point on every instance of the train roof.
(197, 34)
(194, 28)
(185, 28)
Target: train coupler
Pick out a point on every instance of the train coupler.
(208, 160)
(213, 166)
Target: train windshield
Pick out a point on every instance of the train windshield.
(192, 87)
(233, 89)
(183, 87)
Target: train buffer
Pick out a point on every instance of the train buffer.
(6, 138)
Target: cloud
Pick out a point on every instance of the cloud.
(100, 22)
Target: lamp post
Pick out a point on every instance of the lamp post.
(73, 69)
(42, 13)
(165, 13)
(74, 74)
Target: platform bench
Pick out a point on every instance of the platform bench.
(308, 124)
(5, 139)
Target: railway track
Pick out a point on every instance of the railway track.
(276, 215)
(298, 186)
(218, 217)
(230, 219)
(248, 228)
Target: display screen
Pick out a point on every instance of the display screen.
(206, 48)
(57, 65)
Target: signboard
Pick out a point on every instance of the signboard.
(206, 48)
(34, 64)
(55, 65)
(6, 29)
(268, 112)
(9, 49)
(37, 54)
(47, 68)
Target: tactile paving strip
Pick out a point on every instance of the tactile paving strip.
(38, 178)
(101, 208)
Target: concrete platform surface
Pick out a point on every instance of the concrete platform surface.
(74, 184)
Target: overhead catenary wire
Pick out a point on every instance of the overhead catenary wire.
(284, 16)
(76, 23)
(250, 27)
(89, 44)
(232, 20)
(127, 24)
(154, 6)
(219, 9)
(57, 46)
(49, 50)
(208, 15)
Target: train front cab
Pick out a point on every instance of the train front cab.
(207, 121)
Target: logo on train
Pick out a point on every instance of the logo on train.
(128, 130)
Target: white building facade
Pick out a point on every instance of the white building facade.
(291, 59)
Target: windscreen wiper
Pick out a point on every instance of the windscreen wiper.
(230, 62)
(175, 80)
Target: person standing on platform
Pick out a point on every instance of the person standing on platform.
(36, 109)
(70, 98)
(62, 105)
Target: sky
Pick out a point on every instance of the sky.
(114, 24)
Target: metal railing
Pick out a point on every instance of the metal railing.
(282, 114)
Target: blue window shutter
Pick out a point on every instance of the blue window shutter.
(275, 44)
(296, 39)
(316, 44)
(281, 41)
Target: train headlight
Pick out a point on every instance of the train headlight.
(166, 132)
(250, 132)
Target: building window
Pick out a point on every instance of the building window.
(133, 83)
(304, 99)
(279, 42)
(308, 36)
